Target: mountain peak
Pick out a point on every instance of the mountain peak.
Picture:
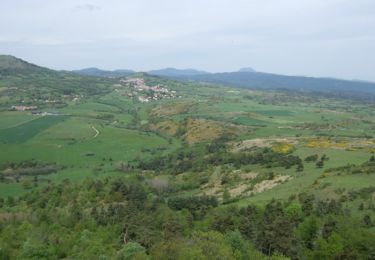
(93, 71)
(247, 69)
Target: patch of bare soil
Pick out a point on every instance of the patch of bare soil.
(269, 184)
(262, 142)
(215, 188)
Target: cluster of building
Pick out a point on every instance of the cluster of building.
(144, 93)
(23, 108)
(45, 113)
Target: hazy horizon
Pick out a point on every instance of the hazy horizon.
(319, 38)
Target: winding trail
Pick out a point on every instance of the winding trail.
(96, 131)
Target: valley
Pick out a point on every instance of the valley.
(219, 148)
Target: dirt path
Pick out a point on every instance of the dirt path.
(96, 131)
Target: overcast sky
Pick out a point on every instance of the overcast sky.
(334, 38)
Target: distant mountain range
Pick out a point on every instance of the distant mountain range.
(274, 81)
(104, 73)
(172, 72)
(244, 78)
(167, 72)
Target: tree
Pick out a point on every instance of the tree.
(176, 249)
(271, 175)
(307, 202)
(300, 167)
(330, 248)
(238, 244)
(320, 163)
(329, 227)
(324, 158)
(173, 228)
(294, 212)
(276, 231)
(312, 158)
(367, 220)
(308, 231)
(26, 184)
(249, 223)
(10, 201)
(213, 245)
(132, 250)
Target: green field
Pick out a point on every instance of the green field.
(25, 131)
(12, 119)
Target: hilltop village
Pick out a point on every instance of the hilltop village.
(139, 90)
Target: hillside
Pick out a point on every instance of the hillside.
(10, 65)
(27, 83)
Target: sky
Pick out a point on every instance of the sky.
(323, 38)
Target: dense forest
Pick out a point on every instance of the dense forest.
(128, 219)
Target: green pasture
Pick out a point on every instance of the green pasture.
(23, 132)
(74, 144)
(10, 119)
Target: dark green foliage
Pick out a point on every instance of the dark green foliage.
(312, 158)
(192, 203)
(300, 167)
(307, 201)
(319, 164)
(276, 232)
(133, 192)
(122, 219)
(367, 221)
(28, 168)
(194, 159)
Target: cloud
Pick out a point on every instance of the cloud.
(310, 37)
(87, 7)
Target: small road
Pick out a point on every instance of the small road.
(96, 131)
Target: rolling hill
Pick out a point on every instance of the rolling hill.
(23, 77)
(10, 65)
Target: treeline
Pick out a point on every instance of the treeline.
(193, 203)
(367, 167)
(13, 171)
(198, 158)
